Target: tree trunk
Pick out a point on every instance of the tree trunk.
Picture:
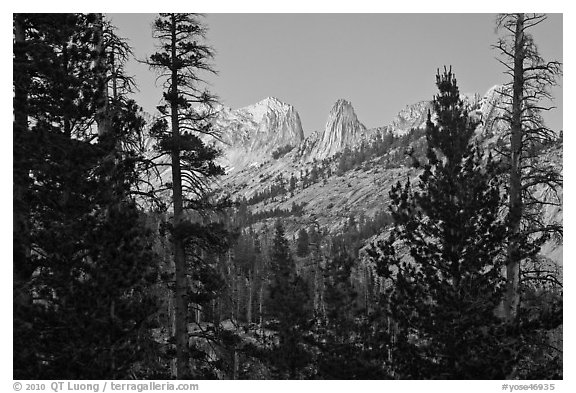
(102, 115)
(197, 313)
(366, 290)
(515, 202)
(233, 293)
(215, 311)
(235, 364)
(172, 318)
(180, 295)
(20, 220)
(318, 283)
(249, 303)
(237, 294)
(114, 76)
(316, 298)
(260, 302)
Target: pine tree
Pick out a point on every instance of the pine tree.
(289, 308)
(86, 254)
(532, 76)
(444, 256)
(533, 304)
(292, 183)
(41, 61)
(187, 112)
(303, 243)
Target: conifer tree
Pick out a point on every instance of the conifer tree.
(43, 86)
(444, 256)
(289, 308)
(186, 114)
(303, 243)
(533, 302)
(292, 183)
(529, 177)
(86, 257)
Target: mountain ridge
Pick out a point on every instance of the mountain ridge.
(310, 178)
(311, 175)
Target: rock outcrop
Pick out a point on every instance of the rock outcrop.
(249, 135)
(342, 129)
(412, 116)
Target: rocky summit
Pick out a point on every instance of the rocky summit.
(412, 116)
(342, 129)
(250, 134)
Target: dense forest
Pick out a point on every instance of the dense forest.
(128, 263)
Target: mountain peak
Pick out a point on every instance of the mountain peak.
(266, 107)
(342, 129)
(271, 101)
(253, 132)
(412, 116)
(341, 105)
(341, 108)
(341, 102)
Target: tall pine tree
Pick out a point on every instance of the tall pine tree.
(186, 114)
(534, 290)
(444, 257)
(83, 262)
(529, 177)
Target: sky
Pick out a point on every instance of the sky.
(379, 62)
